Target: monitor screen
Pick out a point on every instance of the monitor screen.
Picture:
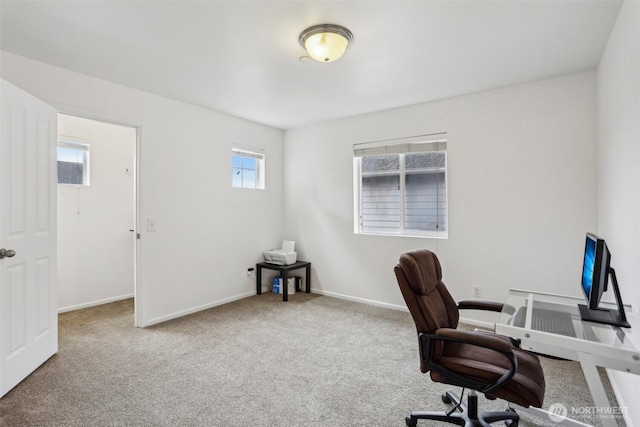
(595, 269)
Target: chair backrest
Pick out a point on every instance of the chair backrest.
(419, 276)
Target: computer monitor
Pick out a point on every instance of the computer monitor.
(596, 269)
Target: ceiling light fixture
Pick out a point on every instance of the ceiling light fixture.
(326, 42)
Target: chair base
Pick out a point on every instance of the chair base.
(464, 415)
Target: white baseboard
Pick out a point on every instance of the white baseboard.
(177, 314)
(94, 303)
(469, 321)
(360, 300)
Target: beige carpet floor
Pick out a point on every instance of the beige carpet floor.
(313, 361)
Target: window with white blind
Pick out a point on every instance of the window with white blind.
(247, 168)
(400, 187)
(73, 163)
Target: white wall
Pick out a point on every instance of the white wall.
(95, 246)
(208, 233)
(522, 192)
(619, 170)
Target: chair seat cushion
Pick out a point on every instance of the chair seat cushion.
(525, 388)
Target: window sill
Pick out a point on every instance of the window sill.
(415, 234)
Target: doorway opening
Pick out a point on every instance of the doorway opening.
(97, 212)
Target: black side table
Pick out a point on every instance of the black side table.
(284, 272)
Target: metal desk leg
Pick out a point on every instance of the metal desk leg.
(595, 387)
(258, 280)
(285, 285)
(307, 279)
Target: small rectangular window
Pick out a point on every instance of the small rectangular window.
(247, 168)
(400, 187)
(73, 163)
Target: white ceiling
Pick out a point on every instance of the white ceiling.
(242, 57)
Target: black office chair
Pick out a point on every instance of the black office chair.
(481, 361)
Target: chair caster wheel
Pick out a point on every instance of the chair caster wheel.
(411, 422)
(445, 398)
(511, 423)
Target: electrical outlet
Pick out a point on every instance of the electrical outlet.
(477, 292)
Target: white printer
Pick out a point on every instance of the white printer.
(284, 256)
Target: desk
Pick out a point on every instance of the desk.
(284, 272)
(593, 345)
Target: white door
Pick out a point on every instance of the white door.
(28, 294)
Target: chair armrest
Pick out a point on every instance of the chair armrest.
(480, 305)
(495, 343)
(486, 306)
(486, 340)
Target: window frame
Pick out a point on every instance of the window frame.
(400, 147)
(83, 147)
(260, 172)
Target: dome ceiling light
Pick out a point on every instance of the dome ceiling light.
(326, 42)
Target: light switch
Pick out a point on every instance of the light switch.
(151, 224)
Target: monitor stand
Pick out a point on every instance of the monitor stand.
(607, 316)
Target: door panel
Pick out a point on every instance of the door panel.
(16, 309)
(43, 286)
(28, 293)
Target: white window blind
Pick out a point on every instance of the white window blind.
(401, 186)
(73, 163)
(413, 144)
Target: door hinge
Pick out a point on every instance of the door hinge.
(138, 236)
